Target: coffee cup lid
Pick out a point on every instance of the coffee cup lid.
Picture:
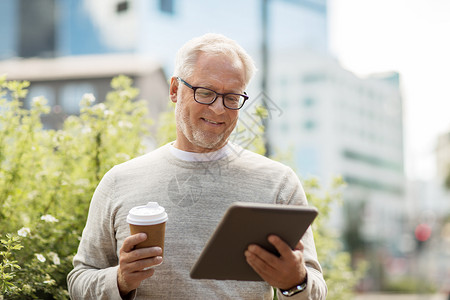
(149, 214)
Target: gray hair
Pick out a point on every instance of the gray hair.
(211, 43)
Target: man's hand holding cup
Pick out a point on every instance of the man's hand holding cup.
(144, 249)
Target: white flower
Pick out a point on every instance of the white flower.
(100, 106)
(27, 288)
(125, 94)
(125, 124)
(50, 282)
(86, 129)
(89, 98)
(24, 231)
(40, 257)
(38, 101)
(55, 258)
(31, 195)
(112, 130)
(108, 113)
(49, 219)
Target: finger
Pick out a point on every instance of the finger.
(130, 266)
(129, 281)
(299, 246)
(262, 254)
(281, 246)
(133, 240)
(143, 264)
(259, 265)
(142, 253)
(141, 274)
(139, 254)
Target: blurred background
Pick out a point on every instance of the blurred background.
(356, 88)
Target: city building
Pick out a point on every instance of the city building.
(52, 28)
(443, 159)
(157, 28)
(64, 80)
(336, 123)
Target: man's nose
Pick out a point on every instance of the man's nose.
(217, 106)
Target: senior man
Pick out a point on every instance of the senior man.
(195, 178)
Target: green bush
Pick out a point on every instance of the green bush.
(341, 279)
(47, 179)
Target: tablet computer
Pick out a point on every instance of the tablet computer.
(249, 223)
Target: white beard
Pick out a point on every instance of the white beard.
(195, 136)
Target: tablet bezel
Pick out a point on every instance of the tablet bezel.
(244, 224)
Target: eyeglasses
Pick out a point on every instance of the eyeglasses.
(207, 96)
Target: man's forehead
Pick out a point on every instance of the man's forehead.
(219, 67)
(220, 58)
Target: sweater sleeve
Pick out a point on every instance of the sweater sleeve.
(291, 192)
(95, 265)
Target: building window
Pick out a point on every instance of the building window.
(40, 90)
(313, 77)
(308, 101)
(166, 6)
(37, 33)
(372, 160)
(71, 95)
(309, 125)
(122, 7)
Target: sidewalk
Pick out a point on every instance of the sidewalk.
(400, 297)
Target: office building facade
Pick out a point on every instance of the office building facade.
(336, 123)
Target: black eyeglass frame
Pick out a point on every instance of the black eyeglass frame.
(194, 88)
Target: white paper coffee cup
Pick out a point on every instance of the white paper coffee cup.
(150, 219)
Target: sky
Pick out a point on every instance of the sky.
(411, 37)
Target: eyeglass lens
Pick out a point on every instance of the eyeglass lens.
(207, 96)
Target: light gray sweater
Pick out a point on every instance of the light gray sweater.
(195, 196)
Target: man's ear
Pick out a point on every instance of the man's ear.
(173, 89)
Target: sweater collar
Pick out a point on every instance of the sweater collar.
(226, 150)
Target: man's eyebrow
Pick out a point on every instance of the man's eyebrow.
(215, 90)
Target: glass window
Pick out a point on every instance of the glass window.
(166, 6)
(37, 33)
(38, 90)
(71, 95)
(309, 125)
(122, 6)
(308, 101)
(313, 77)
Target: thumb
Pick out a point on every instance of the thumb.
(299, 246)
